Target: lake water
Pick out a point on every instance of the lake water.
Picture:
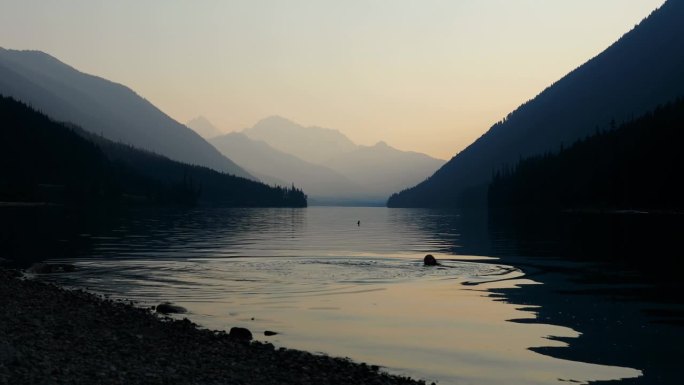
(327, 284)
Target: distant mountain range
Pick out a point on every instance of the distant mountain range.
(203, 127)
(312, 144)
(637, 73)
(324, 162)
(382, 169)
(279, 168)
(103, 108)
(46, 161)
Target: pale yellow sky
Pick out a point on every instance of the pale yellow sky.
(428, 76)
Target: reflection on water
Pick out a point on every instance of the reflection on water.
(326, 284)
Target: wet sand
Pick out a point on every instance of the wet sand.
(57, 336)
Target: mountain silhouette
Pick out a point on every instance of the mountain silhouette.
(47, 161)
(204, 128)
(104, 108)
(330, 165)
(383, 169)
(634, 75)
(635, 166)
(277, 167)
(312, 144)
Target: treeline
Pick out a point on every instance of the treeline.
(634, 166)
(631, 77)
(46, 161)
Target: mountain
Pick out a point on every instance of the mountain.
(383, 169)
(312, 144)
(634, 75)
(203, 127)
(43, 160)
(330, 165)
(104, 108)
(277, 167)
(636, 166)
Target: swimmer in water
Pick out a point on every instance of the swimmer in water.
(429, 260)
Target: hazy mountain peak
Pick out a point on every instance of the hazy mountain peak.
(323, 161)
(35, 55)
(277, 167)
(313, 144)
(383, 168)
(277, 122)
(46, 65)
(203, 127)
(275, 119)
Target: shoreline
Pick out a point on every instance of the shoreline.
(49, 334)
(625, 319)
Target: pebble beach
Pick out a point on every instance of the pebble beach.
(51, 335)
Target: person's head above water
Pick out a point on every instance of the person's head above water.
(429, 260)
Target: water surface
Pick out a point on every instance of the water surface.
(328, 285)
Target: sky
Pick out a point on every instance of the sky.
(428, 76)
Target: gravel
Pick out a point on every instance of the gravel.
(50, 335)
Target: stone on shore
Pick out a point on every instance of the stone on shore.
(240, 334)
(169, 308)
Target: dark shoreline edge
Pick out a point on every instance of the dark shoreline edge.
(49, 334)
(625, 318)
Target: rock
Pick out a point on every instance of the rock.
(49, 268)
(7, 353)
(429, 260)
(169, 308)
(240, 334)
(269, 333)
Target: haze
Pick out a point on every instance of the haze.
(428, 76)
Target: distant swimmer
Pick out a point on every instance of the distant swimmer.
(358, 223)
(429, 260)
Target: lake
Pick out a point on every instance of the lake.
(504, 307)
